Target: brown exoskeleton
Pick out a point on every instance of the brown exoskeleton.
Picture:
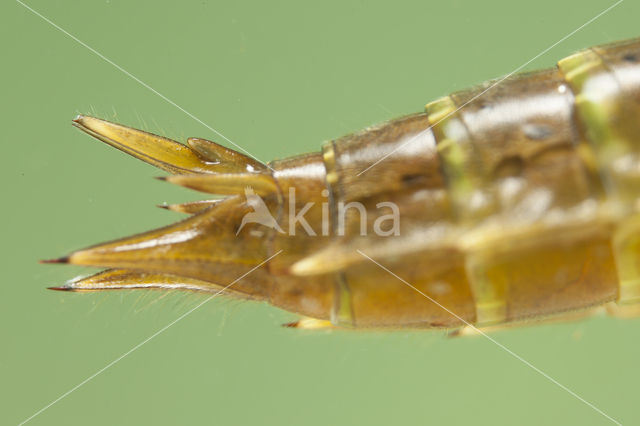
(518, 203)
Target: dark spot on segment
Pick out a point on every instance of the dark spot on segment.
(630, 57)
(412, 179)
(509, 167)
(537, 131)
(295, 292)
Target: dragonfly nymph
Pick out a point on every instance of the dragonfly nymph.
(504, 203)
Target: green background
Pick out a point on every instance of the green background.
(278, 78)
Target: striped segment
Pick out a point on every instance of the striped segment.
(606, 84)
